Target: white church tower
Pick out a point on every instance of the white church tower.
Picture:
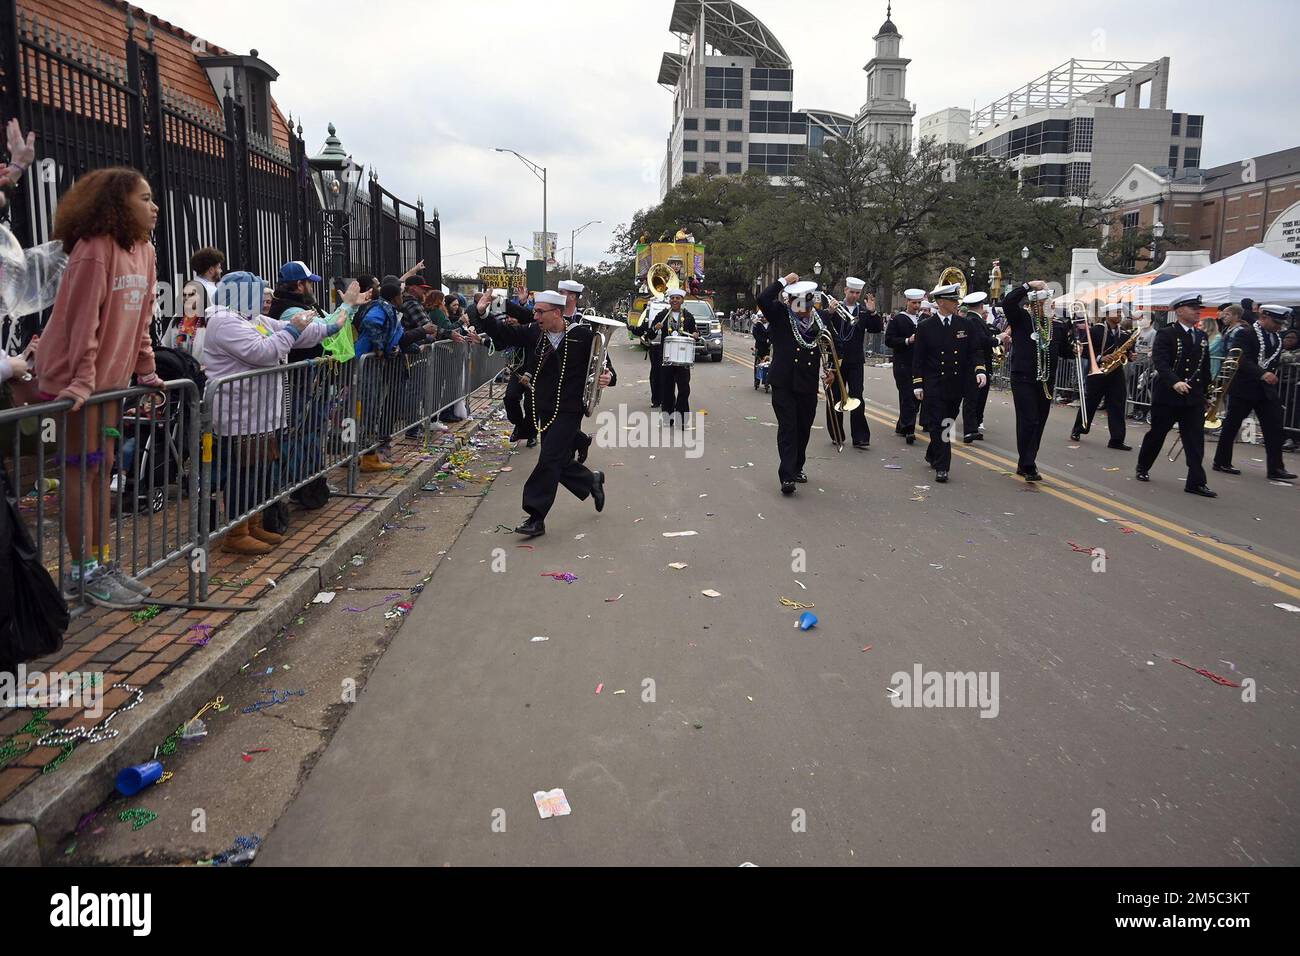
(886, 117)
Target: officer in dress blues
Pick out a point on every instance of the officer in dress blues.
(1255, 389)
(900, 337)
(1031, 395)
(947, 361)
(850, 345)
(795, 371)
(972, 406)
(1180, 356)
(1107, 337)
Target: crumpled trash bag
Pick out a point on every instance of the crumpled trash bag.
(29, 278)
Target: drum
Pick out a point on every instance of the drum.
(679, 350)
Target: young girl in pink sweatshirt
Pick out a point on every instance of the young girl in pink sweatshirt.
(96, 338)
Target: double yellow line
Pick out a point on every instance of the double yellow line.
(1245, 563)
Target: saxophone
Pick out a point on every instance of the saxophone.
(1120, 357)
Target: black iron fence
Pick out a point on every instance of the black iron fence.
(217, 182)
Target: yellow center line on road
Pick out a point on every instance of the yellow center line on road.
(1114, 509)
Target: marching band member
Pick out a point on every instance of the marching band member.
(762, 345)
(655, 348)
(900, 336)
(1107, 337)
(1255, 389)
(1031, 395)
(572, 294)
(517, 313)
(972, 406)
(796, 360)
(850, 346)
(675, 380)
(556, 357)
(1181, 359)
(946, 356)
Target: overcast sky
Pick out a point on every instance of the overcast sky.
(422, 91)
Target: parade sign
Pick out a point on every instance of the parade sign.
(1283, 237)
(497, 278)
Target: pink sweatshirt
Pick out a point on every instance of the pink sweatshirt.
(98, 333)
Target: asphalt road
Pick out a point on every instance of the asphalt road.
(741, 738)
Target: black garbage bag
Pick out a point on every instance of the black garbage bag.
(33, 615)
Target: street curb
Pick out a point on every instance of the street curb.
(34, 821)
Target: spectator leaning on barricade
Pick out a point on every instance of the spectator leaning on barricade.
(248, 413)
(97, 336)
(303, 454)
(379, 332)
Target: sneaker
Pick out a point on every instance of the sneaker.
(71, 586)
(105, 590)
(126, 580)
(439, 427)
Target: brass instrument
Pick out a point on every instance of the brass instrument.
(604, 328)
(661, 280)
(1042, 323)
(954, 274)
(831, 360)
(1214, 399)
(1120, 357)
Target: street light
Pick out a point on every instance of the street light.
(540, 173)
(1158, 231)
(510, 260)
(971, 287)
(1024, 262)
(337, 179)
(817, 268)
(573, 241)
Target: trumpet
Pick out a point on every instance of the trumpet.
(841, 309)
(831, 359)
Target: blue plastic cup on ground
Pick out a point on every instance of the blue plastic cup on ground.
(134, 779)
(807, 620)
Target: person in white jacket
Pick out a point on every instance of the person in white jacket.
(249, 412)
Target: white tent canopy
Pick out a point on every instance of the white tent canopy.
(1250, 274)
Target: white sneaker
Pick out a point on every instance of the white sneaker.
(440, 427)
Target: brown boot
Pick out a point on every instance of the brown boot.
(259, 531)
(239, 541)
(373, 462)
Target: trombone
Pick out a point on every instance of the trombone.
(1079, 316)
(831, 360)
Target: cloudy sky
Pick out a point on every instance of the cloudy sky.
(423, 91)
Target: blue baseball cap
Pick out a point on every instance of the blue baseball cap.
(297, 272)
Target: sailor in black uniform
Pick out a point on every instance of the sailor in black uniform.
(1255, 389)
(1031, 357)
(947, 362)
(850, 346)
(674, 380)
(900, 336)
(972, 406)
(556, 359)
(572, 295)
(1180, 356)
(1107, 337)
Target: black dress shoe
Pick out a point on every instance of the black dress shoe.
(532, 528)
(1280, 476)
(862, 444)
(941, 477)
(787, 487)
(967, 439)
(598, 489)
(1075, 436)
(532, 443)
(978, 436)
(911, 439)
(1030, 474)
(514, 436)
(1142, 476)
(801, 478)
(1203, 491)
(1119, 446)
(1227, 469)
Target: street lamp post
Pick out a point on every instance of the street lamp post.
(971, 287)
(573, 242)
(1158, 233)
(1024, 263)
(337, 179)
(510, 261)
(540, 173)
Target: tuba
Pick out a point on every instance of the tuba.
(661, 280)
(954, 274)
(604, 328)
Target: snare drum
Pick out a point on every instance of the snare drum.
(679, 350)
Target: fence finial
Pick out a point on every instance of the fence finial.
(130, 22)
(148, 31)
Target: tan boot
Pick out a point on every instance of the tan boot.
(371, 463)
(239, 541)
(257, 530)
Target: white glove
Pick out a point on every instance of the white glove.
(919, 393)
(981, 380)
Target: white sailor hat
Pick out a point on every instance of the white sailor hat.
(550, 298)
(952, 291)
(914, 294)
(1112, 308)
(1191, 298)
(1278, 312)
(795, 289)
(678, 293)
(568, 285)
(975, 298)
(854, 285)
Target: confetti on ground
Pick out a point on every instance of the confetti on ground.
(617, 692)
(802, 585)
(786, 602)
(371, 607)
(679, 534)
(247, 754)
(1127, 530)
(508, 468)
(678, 566)
(567, 577)
(613, 599)
(1078, 549)
(579, 537)
(1204, 673)
(599, 688)
(709, 592)
(761, 516)
(538, 639)
(1288, 607)
(894, 467)
(525, 547)
(323, 597)
(1110, 469)
(551, 803)
(867, 648)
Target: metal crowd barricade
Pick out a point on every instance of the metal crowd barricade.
(1138, 378)
(1288, 384)
(140, 492)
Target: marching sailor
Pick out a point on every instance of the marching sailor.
(1180, 356)
(1255, 389)
(972, 406)
(850, 346)
(674, 380)
(794, 373)
(900, 337)
(555, 358)
(516, 313)
(1107, 338)
(946, 361)
(1036, 349)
